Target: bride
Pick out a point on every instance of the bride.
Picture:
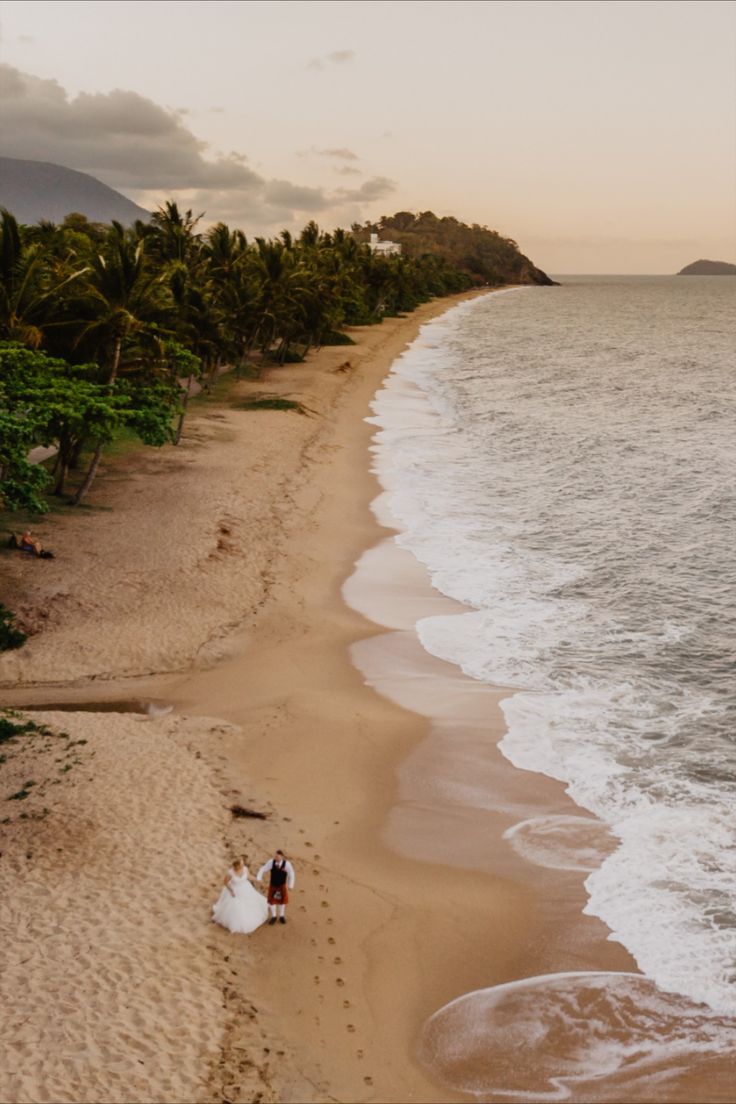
(240, 907)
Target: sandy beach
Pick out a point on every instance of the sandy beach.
(209, 578)
(235, 601)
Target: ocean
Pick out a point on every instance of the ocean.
(575, 489)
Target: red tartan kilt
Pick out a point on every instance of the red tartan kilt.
(278, 895)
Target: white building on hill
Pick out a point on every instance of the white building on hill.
(386, 247)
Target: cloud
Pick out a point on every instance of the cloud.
(148, 152)
(376, 188)
(337, 57)
(120, 135)
(340, 153)
(281, 193)
(348, 170)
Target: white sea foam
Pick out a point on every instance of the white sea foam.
(550, 458)
(562, 842)
(546, 1038)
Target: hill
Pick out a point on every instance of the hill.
(485, 255)
(35, 190)
(708, 268)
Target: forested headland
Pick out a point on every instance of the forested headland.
(484, 255)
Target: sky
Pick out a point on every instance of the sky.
(600, 135)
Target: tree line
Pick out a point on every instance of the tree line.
(103, 328)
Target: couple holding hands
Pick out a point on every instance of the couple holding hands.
(241, 908)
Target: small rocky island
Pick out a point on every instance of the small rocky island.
(708, 268)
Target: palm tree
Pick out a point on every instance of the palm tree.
(173, 233)
(284, 285)
(29, 286)
(122, 297)
(234, 285)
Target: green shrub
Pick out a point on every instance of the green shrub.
(272, 402)
(10, 727)
(289, 357)
(21, 795)
(334, 337)
(10, 636)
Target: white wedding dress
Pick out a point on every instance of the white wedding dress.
(243, 910)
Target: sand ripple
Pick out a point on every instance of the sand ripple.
(109, 988)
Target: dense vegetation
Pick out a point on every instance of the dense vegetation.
(484, 255)
(103, 327)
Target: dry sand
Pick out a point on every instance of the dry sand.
(111, 986)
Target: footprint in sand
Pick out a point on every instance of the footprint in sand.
(340, 983)
(351, 1028)
(302, 908)
(346, 1004)
(368, 1080)
(331, 940)
(330, 921)
(318, 856)
(308, 844)
(337, 961)
(359, 1054)
(325, 904)
(316, 979)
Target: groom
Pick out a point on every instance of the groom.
(280, 882)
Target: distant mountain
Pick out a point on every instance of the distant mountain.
(485, 255)
(708, 268)
(35, 190)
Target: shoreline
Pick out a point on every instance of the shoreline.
(278, 700)
(456, 786)
(328, 718)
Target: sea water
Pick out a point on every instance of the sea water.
(563, 460)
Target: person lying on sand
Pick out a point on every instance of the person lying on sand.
(28, 543)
